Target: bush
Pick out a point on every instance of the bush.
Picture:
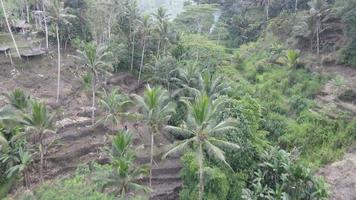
(278, 177)
(349, 54)
(71, 189)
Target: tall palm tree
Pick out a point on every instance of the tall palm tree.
(93, 57)
(155, 109)
(201, 132)
(9, 28)
(316, 9)
(145, 29)
(45, 21)
(115, 107)
(132, 11)
(161, 18)
(59, 16)
(40, 121)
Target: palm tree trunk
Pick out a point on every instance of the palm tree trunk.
(45, 24)
(93, 103)
(201, 172)
(41, 161)
(133, 50)
(109, 26)
(158, 47)
(10, 31)
(143, 55)
(59, 62)
(317, 36)
(151, 159)
(267, 10)
(296, 5)
(27, 12)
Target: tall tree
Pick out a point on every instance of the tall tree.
(132, 11)
(45, 21)
(59, 16)
(161, 18)
(316, 9)
(9, 28)
(201, 131)
(145, 30)
(94, 59)
(155, 109)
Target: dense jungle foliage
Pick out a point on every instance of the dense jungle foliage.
(230, 83)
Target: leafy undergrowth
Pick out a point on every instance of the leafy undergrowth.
(286, 96)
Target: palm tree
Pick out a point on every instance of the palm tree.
(155, 109)
(125, 172)
(24, 161)
(132, 11)
(192, 82)
(187, 77)
(291, 58)
(316, 9)
(212, 86)
(93, 57)
(201, 132)
(18, 99)
(9, 28)
(40, 121)
(145, 31)
(59, 16)
(4, 144)
(115, 107)
(161, 26)
(44, 4)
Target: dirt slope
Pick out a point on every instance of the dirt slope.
(76, 142)
(341, 176)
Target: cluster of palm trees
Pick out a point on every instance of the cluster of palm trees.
(25, 123)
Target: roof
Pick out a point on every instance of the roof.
(33, 53)
(4, 48)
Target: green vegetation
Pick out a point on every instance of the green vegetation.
(232, 91)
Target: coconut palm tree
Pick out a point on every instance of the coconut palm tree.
(212, 85)
(4, 144)
(291, 58)
(201, 131)
(155, 110)
(93, 57)
(59, 16)
(131, 9)
(40, 122)
(316, 9)
(125, 172)
(145, 29)
(22, 167)
(45, 21)
(9, 28)
(115, 106)
(161, 18)
(18, 99)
